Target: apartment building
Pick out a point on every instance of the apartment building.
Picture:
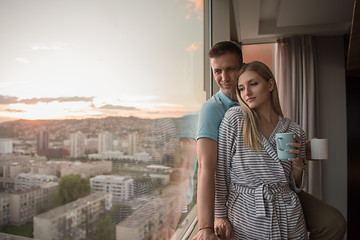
(42, 142)
(143, 157)
(4, 209)
(86, 169)
(144, 222)
(11, 165)
(28, 180)
(6, 146)
(25, 204)
(77, 147)
(75, 220)
(110, 155)
(133, 138)
(105, 142)
(121, 188)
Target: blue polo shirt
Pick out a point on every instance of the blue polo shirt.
(211, 115)
(187, 128)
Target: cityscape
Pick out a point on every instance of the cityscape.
(98, 114)
(105, 178)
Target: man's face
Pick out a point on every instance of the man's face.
(225, 68)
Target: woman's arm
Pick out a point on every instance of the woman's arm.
(227, 134)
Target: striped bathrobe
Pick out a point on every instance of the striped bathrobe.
(255, 190)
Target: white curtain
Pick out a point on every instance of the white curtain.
(297, 82)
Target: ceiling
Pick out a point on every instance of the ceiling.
(260, 21)
(265, 20)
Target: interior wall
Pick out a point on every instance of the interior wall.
(332, 119)
(353, 131)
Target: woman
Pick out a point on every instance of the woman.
(255, 190)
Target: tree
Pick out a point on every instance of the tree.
(105, 229)
(72, 187)
(119, 212)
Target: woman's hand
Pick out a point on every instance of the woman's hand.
(223, 229)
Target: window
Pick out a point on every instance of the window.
(98, 82)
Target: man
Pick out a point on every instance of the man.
(323, 221)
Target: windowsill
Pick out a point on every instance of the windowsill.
(187, 227)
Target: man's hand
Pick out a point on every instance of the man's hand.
(298, 162)
(308, 150)
(223, 229)
(205, 234)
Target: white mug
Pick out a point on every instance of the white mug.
(319, 148)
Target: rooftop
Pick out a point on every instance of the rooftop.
(65, 209)
(110, 178)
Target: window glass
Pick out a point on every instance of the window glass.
(103, 95)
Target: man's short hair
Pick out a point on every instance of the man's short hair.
(225, 47)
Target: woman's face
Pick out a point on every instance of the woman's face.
(255, 90)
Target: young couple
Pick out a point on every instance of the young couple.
(253, 194)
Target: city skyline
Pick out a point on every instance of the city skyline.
(75, 60)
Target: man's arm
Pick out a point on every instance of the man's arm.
(207, 159)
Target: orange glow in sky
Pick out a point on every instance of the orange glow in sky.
(106, 58)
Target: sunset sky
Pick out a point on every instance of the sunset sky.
(95, 58)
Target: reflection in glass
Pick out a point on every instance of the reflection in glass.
(107, 90)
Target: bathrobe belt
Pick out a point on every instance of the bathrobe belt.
(261, 192)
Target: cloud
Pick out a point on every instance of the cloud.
(195, 6)
(137, 98)
(199, 4)
(194, 46)
(114, 107)
(59, 99)
(12, 110)
(13, 100)
(171, 105)
(22, 60)
(53, 47)
(8, 99)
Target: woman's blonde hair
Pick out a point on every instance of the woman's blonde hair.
(251, 131)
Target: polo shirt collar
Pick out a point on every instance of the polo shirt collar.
(228, 103)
